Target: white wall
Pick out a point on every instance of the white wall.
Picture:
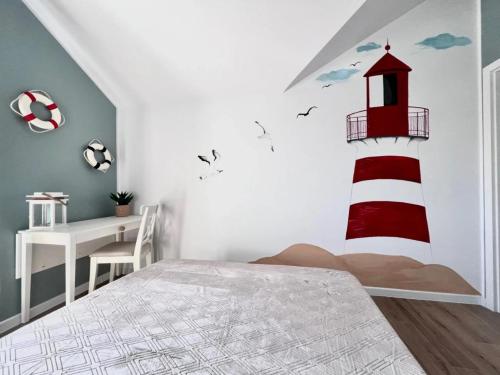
(265, 201)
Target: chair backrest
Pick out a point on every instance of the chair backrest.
(146, 230)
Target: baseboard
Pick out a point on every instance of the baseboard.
(425, 296)
(15, 320)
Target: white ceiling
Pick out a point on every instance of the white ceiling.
(195, 48)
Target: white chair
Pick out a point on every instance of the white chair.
(126, 251)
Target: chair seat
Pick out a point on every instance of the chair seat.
(115, 249)
(117, 253)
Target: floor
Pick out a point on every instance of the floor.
(447, 338)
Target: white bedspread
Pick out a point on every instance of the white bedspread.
(195, 317)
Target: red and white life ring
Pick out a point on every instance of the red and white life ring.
(37, 125)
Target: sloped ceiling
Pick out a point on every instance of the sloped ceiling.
(370, 17)
(176, 49)
(193, 48)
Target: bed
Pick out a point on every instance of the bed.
(202, 317)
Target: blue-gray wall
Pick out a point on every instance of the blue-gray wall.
(32, 59)
(490, 31)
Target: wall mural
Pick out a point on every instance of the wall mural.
(387, 203)
(396, 121)
(388, 138)
(378, 224)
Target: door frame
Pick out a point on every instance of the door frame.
(490, 189)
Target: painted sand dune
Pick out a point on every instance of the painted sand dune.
(377, 270)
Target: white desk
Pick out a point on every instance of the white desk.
(67, 235)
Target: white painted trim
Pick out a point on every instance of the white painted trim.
(490, 190)
(15, 320)
(423, 296)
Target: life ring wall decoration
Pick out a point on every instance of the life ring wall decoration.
(96, 146)
(37, 125)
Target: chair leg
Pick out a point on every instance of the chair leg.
(93, 274)
(148, 259)
(111, 272)
(137, 264)
(119, 269)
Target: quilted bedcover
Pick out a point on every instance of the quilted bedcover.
(204, 317)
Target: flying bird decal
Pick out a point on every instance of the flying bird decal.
(211, 164)
(204, 159)
(265, 135)
(217, 171)
(304, 114)
(215, 154)
(260, 126)
(356, 63)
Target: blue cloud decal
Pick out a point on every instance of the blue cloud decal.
(444, 41)
(337, 75)
(368, 47)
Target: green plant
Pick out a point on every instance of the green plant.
(122, 198)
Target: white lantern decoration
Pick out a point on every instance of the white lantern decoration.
(43, 209)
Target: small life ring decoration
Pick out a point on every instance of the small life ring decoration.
(37, 125)
(89, 154)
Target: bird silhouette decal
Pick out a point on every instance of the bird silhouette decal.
(204, 159)
(216, 155)
(306, 113)
(355, 63)
(326, 86)
(265, 135)
(211, 164)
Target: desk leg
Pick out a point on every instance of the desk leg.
(26, 252)
(120, 237)
(70, 270)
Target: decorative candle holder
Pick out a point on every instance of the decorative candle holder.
(43, 209)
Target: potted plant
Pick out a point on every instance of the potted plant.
(122, 199)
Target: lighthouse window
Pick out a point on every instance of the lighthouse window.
(376, 91)
(390, 89)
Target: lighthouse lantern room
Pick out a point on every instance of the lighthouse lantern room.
(395, 118)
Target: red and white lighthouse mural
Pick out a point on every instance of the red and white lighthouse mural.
(387, 211)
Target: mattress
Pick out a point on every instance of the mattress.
(202, 317)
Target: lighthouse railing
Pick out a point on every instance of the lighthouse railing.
(418, 124)
(357, 126)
